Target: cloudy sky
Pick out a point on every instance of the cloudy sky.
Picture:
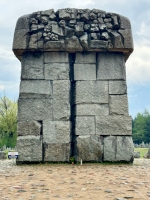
(138, 65)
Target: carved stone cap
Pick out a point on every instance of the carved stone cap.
(73, 30)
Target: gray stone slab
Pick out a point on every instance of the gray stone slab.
(34, 109)
(29, 148)
(57, 152)
(98, 44)
(85, 125)
(23, 22)
(84, 41)
(127, 37)
(35, 89)
(117, 87)
(91, 92)
(72, 44)
(118, 104)
(110, 66)
(86, 57)
(28, 128)
(113, 125)
(89, 148)
(118, 148)
(116, 40)
(56, 71)
(21, 39)
(56, 57)
(92, 109)
(56, 131)
(33, 41)
(124, 22)
(32, 66)
(61, 100)
(54, 45)
(84, 71)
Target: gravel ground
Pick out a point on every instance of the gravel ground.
(72, 182)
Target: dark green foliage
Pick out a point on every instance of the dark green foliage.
(8, 122)
(141, 128)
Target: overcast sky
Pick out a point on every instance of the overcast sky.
(138, 64)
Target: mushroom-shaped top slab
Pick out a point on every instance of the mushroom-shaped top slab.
(73, 30)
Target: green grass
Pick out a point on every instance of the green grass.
(142, 151)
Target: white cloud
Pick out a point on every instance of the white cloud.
(138, 65)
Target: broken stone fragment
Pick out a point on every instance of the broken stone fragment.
(52, 16)
(62, 23)
(94, 36)
(87, 27)
(33, 21)
(28, 128)
(69, 32)
(98, 44)
(72, 23)
(63, 14)
(44, 20)
(116, 40)
(115, 22)
(127, 36)
(73, 44)
(100, 20)
(102, 27)
(92, 16)
(33, 41)
(105, 36)
(79, 29)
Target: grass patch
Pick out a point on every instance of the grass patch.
(142, 151)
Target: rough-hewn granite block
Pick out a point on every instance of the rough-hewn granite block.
(54, 45)
(89, 148)
(33, 41)
(117, 87)
(56, 131)
(72, 44)
(34, 109)
(110, 66)
(127, 36)
(118, 104)
(23, 22)
(85, 125)
(57, 152)
(124, 22)
(56, 71)
(29, 148)
(92, 109)
(32, 66)
(85, 57)
(35, 89)
(98, 44)
(21, 39)
(84, 71)
(91, 92)
(61, 100)
(56, 57)
(116, 40)
(113, 125)
(118, 148)
(28, 128)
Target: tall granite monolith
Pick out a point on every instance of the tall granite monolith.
(73, 93)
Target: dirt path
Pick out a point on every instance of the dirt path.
(72, 182)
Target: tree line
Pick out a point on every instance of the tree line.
(8, 124)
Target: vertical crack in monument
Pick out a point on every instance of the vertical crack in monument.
(73, 93)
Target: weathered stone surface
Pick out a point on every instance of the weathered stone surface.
(23, 22)
(110, 66)
(84, 41)
(56, 57)
(28, 128)
(32, 66)
(84, 71)
(98, 44)
(29, 148)
(73, 44)
(117, 87)
(118, 148)
(89, 148)
(2, 155)
(56, 71)
(56, 131)
(57, 152)
(118, 104)
(124, 22)
(61, 102)
(92, 109)
(34, 109)
(33, 41)
(21, 39)
(127, 36)
(35, 89)
(54, 45)
(85, 125)
(116, 40)
(86, 57)
(91, 92)
(113, 125)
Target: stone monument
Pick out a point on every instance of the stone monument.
(73, 93)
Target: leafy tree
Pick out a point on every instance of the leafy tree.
(141, 127)
(8, 122)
